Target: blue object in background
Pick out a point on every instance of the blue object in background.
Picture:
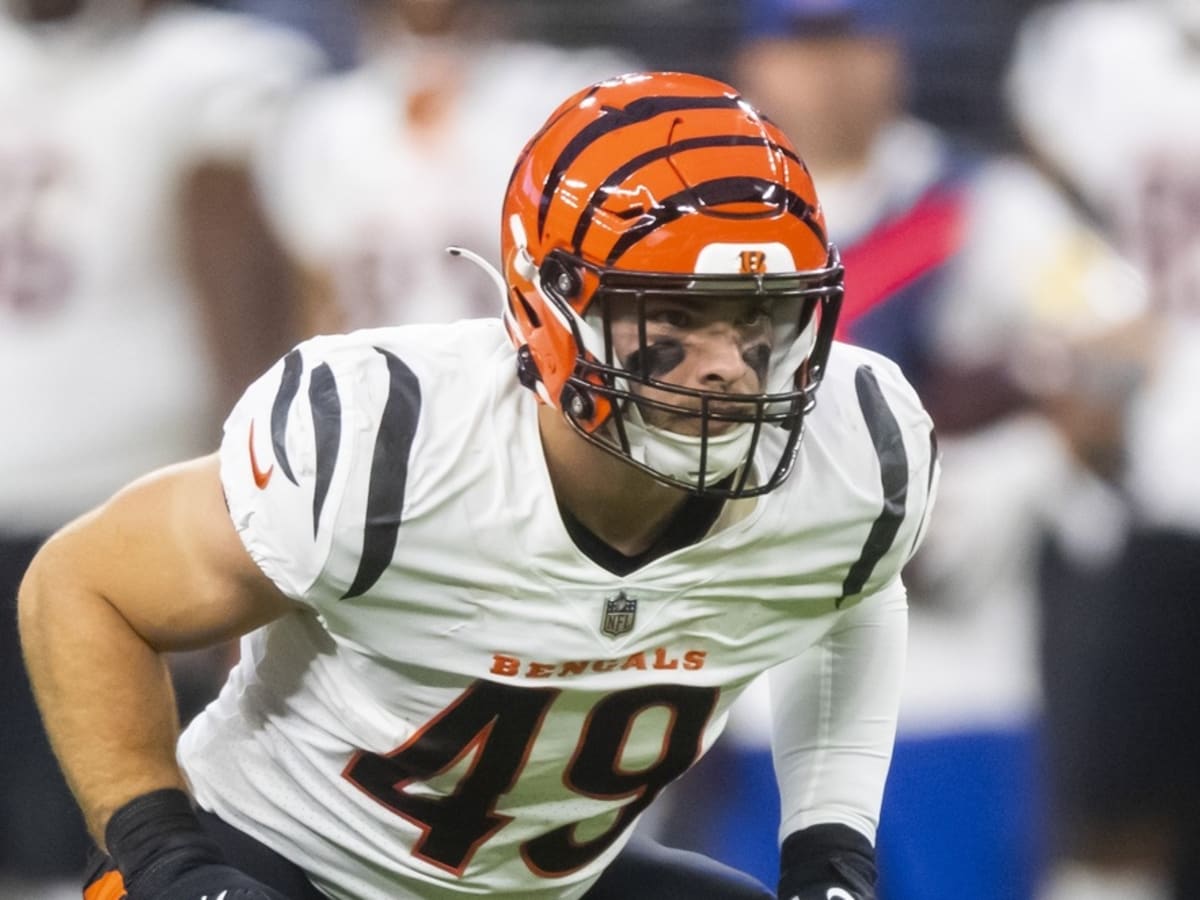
(962, 817)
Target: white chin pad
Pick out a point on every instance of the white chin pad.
(677, 456)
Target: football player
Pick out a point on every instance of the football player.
(499, 581)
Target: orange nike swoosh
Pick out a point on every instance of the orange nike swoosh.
(261, 478)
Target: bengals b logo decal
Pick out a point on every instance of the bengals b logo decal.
(753, 262)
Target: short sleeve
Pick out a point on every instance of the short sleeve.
(313, 505)
(271, 472)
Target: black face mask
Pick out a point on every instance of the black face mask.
(607, 385)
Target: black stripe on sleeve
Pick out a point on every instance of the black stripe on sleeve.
(893, 476)
(326, 407)
(389, 473)
(289, 386)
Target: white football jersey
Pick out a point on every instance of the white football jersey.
(102, 352)
(465, 703)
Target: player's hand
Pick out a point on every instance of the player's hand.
(827, 862)
(850, 886)
(164, 853)
(827, 892)
(206, 882)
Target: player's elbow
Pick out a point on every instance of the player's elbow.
(55, 601)
(41, 595)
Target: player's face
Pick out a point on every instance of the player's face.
(717, 345)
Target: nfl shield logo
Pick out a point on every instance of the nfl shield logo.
(619, 613)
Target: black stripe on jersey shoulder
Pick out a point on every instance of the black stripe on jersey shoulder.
(893, 475)
(638, 111)
(326, 407)
(389, 473)
(642, 160)
(289, 386)
(708, 195)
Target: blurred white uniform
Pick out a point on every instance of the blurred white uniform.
(1124, 129)
(1109, 94)
(380, 169)
(434, 723)
(102, 355)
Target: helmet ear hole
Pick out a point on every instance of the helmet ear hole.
(559, 278)
(578, 403)
(527, 370)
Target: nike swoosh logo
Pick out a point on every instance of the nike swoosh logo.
(261, 478)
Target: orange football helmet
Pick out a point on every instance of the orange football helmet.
(668, 185)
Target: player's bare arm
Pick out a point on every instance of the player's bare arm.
(158, 568)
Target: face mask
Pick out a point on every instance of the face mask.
(678, 455)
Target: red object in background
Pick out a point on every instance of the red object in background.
(899, 252)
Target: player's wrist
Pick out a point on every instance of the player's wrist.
(156, 837)
(817, 862)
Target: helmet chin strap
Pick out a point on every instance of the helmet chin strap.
(677, 456)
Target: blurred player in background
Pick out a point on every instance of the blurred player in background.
(139, 293)
(1122, 130)
(501, 580)
(382, 168)
(974, 274)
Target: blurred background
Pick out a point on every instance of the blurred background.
(188, 188)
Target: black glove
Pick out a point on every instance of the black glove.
(163, 853)
(827, 862)
(829, 891)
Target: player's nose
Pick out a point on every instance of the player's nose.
(720, 358)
